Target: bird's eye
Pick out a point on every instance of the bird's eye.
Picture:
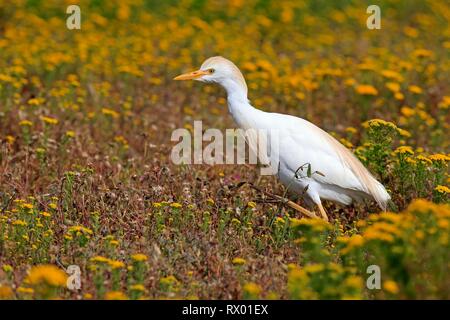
(211, 70)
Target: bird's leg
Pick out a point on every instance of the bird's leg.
(290, 203)
(302, 210)
(323, 212)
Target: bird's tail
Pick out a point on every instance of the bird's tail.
(379, 194)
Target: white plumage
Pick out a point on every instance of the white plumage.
(342, 178)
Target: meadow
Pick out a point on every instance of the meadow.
(86, 177)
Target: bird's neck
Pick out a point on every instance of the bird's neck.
(238, 105)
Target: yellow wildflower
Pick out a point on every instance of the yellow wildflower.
(404, 150)
(99, 259)
(115, 264)
(438, 157)
(415, 89)
(25, 290)
(110, 112)
(7, 268)
(238, 261)
(252, 289)
(115, 295)
(251, 204)
(137, 287)
(48, 274)
(25, 123)
(351, 130)
(176, 205)
(391, 287)
(442, 189)
(49, 120)
(6, 292)
(424, 159)
(139, 257)
(393, 86)
(366, 90)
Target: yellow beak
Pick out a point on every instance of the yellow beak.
(191, 75)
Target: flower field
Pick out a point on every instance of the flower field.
(86, 177)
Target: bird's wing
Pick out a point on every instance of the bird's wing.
(303, 142)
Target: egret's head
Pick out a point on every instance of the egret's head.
(218, 70)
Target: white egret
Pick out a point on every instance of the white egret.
(342, 177)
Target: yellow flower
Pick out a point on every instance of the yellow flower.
(110, 113)
(235, 221)
(49, 120)
(314, 268)
(169, 280)
(19, 222)
(78, 230)
(121, 139)
(139, 257)
(70, 134)
(279, 220)
(389, 74)
(411, 32)
(350, 82)
(391, 287)
(438, 157)
(415, 89)
(28, 206)
(314, 224)
(25, 123)
(445, 103)
(351, 130)
(442, 223)
(373, 234)
(366, 90)
(7, 268)
(45, 214)
(399, 96)
(25, 290)
(68, 237)
(354, 241)
(10, 139)
(378, 123)
(422, 53)
(442, 189)
(251, 204)
(404, 149)
(346, 143)
(354, 282)
(115, 295)
(137, 287)
(114, 264)
(34, 101)
(6, 292)
(252, 289)
(238, 261)
(176, 205)
(424, 159)
(99, 259)
(46, 274)
(407, 111)
(403, 133)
